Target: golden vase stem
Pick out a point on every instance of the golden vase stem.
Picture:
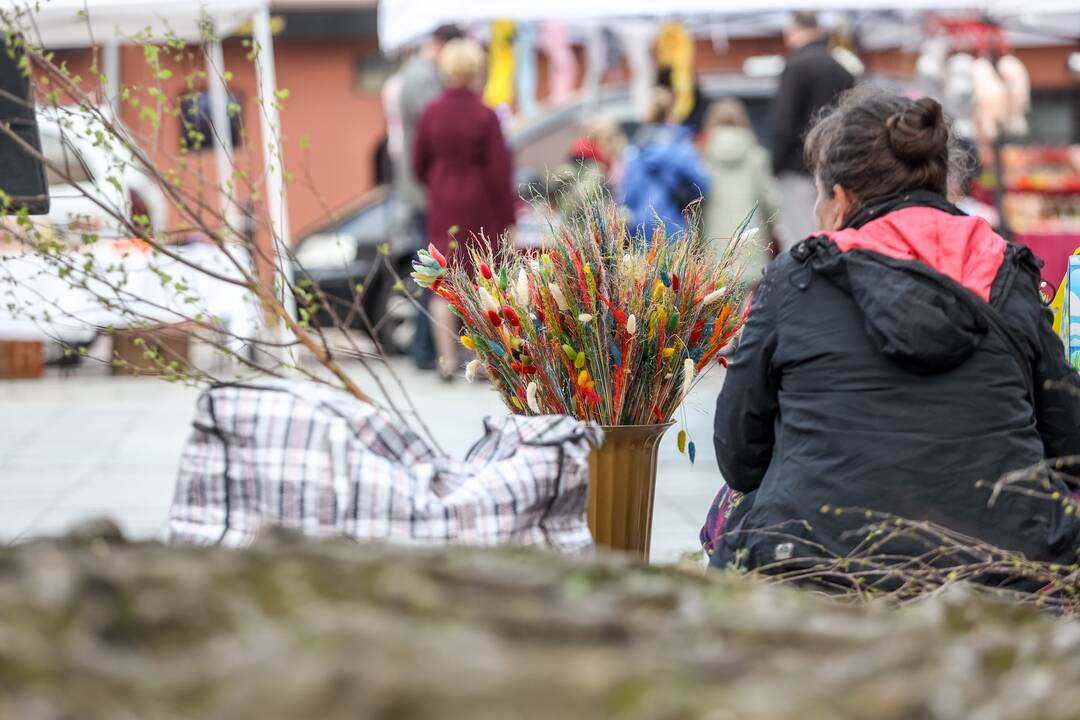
(622, 485)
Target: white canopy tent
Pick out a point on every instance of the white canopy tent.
(60, 24)
(79, 23)
(402, 22)
(109, 24)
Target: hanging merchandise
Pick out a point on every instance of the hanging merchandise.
(675, 52)
(636, 38)
(930, 67)
(595, 61)
(525, 60)
(1018, 85)
(554, 42)
(990, 101)
(500, 83)
(959, 93)
(718, 35)
(612, 54)
(395, 130)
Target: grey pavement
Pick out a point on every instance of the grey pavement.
(87, 444)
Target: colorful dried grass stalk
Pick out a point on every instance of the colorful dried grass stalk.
(599, 325)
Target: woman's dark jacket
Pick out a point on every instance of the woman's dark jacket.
(868, 379)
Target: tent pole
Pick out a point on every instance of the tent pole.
(273, 154)
(219, 118)
(111, 67)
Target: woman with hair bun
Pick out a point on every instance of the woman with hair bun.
(890, 363)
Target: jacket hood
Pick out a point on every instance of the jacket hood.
(958, 246)
(919, 276)
(730, 145)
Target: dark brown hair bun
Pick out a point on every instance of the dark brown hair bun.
(876, 143)
(919, 133)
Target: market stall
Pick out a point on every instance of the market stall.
(63, 24)
(41, 303)
(1041, 203)
(118, 285)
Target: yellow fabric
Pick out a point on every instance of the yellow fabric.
(675, 49)
(1058, 305)
(500, 82)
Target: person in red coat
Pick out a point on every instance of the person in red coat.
(461, 157)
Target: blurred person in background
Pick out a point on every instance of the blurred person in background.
(663, 171)
(740, 180)
(812, 79)
(606, 137)
(407, 93)
(461, 158)
(594, 163)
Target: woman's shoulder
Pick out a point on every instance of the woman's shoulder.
(1017, 285)
(777, 278)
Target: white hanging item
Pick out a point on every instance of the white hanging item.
(1018, 85)
(990, 101)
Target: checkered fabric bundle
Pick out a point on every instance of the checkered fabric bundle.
(316, 460)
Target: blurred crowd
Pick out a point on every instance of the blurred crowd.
(453, 168)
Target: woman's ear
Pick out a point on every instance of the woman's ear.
(844, 205)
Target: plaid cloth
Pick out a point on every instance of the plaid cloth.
(315, 459)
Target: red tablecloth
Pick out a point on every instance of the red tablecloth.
(1054, 249)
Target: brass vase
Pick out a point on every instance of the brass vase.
(622, 484)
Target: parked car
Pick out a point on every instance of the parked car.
(343, 254)
(347, 260)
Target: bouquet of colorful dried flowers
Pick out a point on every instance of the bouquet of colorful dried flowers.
(600, 324)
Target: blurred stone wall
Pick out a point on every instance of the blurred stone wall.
(94, 628)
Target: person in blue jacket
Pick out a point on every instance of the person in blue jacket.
(663, 172)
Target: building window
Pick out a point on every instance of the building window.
(196, 127)
(370, 71)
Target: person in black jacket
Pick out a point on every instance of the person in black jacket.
(811, 80)
(891, 363)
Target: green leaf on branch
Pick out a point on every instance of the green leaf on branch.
(149, 113)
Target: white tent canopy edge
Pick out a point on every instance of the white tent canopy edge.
(60, 24)
(404, 21)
